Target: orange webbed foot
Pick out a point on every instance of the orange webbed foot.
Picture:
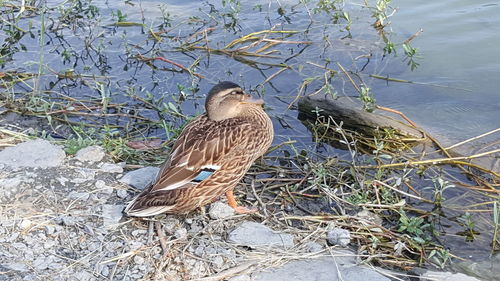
(239, 209)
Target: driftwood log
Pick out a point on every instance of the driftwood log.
(350, 112)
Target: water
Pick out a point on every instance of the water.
(459, 49)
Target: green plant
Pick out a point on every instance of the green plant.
(379, 12)
(467, 221)
(415, 227)
(411, 54)
(366, 96)
(438, 188)
(120, 17)
(440, 257)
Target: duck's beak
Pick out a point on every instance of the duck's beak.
(248, 99)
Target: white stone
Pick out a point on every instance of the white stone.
(25, 224)
(219, 210)
(121, 193)
(93, 153)
(112, 214)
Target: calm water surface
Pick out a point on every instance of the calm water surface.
(459, 48)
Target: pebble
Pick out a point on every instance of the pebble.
(16, 266)
(180, 233)
(219, 210)
(140, 178)
(112, 214)
(370, 216)
(25, 224)
(313, 247)
(93, 153)
(218, 261)
(73, 195)
(49, 229)
(105, 271)
(170, 225)
(255, 235)
(68, 220)
(41, 263)
(111, 168)
(121, 193)
(138, 260)
(338, 236)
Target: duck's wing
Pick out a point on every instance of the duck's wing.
(197, 154)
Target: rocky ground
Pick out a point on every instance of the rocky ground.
(61, 219)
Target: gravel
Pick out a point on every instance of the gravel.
(65, 222)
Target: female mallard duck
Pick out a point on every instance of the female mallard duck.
(211, 155)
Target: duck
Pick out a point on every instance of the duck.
(211, 155)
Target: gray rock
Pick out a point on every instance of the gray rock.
(41, 263)
(321, 269)
(140, 178)
(93, 153)
(15, 266)
(73, 195)
(487, 269)
(361, 273)
(111, 168)
(83, 276)
(68, 220)
(446, 276)
(35, 153)
(219, 210)
(242, 277)
(256, 235)
(339, 236)
(111, 214)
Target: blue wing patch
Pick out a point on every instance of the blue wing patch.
(203, 175)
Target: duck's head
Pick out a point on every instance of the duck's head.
(227, 100)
